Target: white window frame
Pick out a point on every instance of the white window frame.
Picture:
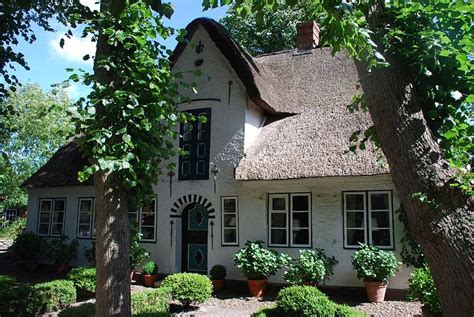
(292, 229)
(9, 212)
(155, 212)
(51, 217)
(272, 211)
(364, 221)
(92, 221)
(223, 227)
(390, 217)
(367, 221)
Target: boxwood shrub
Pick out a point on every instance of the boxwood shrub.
(151, 303)
(347, 311)
(84, 280)
(188, 287)
(304, 301)
(50, 296)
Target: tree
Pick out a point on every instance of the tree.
(126, 127)
(269, 32)
(33, 124)
(418, 87)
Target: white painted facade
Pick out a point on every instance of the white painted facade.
(235, 124)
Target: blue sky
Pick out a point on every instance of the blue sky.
(48, 61)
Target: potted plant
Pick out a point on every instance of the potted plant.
(138, 253)
(28, 247)
(150, 273)
(218, 273)
(421, 287)
(61, 253)
(374, 266)
(311, 268)
(257, 263)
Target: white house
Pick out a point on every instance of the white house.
(269, 164)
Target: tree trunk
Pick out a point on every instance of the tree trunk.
(112, 223)
(442, 225)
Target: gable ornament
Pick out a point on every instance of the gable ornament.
(199, 47)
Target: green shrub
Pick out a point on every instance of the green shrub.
(347, 311)
(83, 310)
(312, 266)
(28, 247)
(257, 262)
(50, 296)
(304, 301)
(150, 268)
(188, 287)
(422, 287)
(84, 280)
(218, 272)
(266, 311)
(373, 264)
(151, 303)
(12, 229)
(60, 252)
(8, 295)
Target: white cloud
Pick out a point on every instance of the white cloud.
(74, 48)
(92, 4)
(72, 91)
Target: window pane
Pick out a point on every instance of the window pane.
(58, 217)
(230, 235)
(301, 236)
(202, 135)
(84, 230)
(300, 219)
(57, 229)
(354, 236)
(44, 216)
(148, 233)
(200, 167)
(45, 205)
(300, 203)
(230, 220)
(355, 219)
(187, 149)
(59, 205)
(86, 205)
(278, 236)
(186, 168)
(381, 237)
(201, 150)
(150, 208)
(278, 220)
(279, 203)
(379, 201)
(43, 228)
(380, 219)
(355, 202)
(148, 219)
(229, 205)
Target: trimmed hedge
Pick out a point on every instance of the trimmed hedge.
(84, 280)
(188, 287)
(151, 303)
(304, 301)
(347, 311)
(50, 296)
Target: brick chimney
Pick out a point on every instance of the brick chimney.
(307, 35)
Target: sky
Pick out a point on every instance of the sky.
(48, 62)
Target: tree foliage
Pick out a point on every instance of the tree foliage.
(34, 123)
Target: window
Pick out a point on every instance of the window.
(146, 218)
(11, 214)
(368, 219)
(86, 222)
(290, 220)
(195, 141)
(230, 221)
(51, 217)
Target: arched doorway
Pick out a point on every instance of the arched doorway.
(194, 238)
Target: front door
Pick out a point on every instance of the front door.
(194, 256)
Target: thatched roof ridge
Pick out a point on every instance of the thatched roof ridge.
(61, 169)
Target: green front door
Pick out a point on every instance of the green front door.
(194, 248)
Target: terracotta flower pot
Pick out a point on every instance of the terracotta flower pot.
(149, 280)
(314, 284)
(257, 287)
(218, 285)
(375, 291)
(132, 275)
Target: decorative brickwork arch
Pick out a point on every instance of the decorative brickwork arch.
(177, 208)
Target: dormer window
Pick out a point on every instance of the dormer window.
(195, 141)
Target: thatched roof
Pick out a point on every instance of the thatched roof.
(304, 96)
(61, 169)
(317, 86)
